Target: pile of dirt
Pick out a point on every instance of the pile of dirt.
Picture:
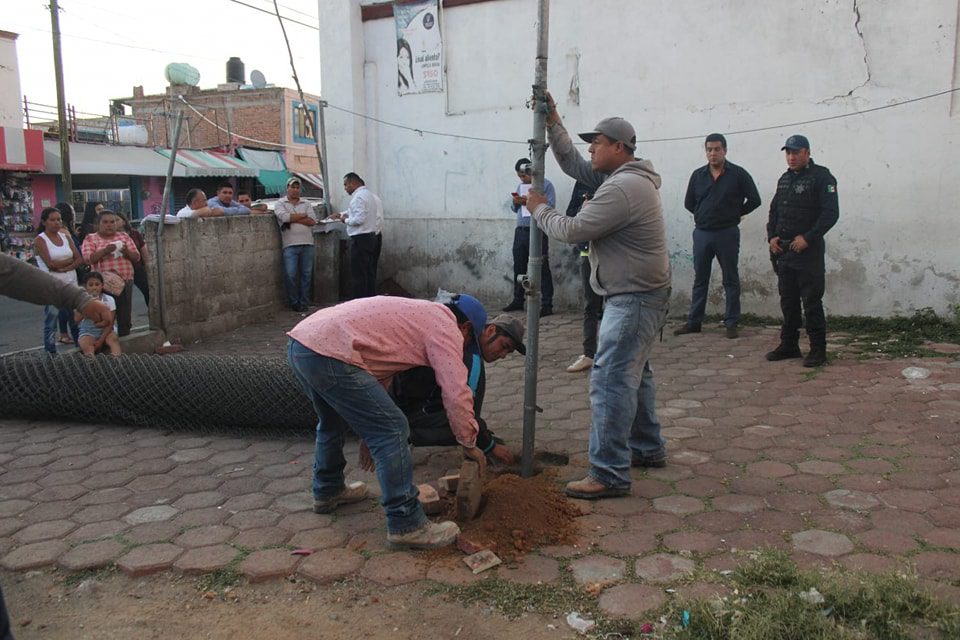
(521, 514)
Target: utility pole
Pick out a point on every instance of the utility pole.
(61, 105)
(535, 263)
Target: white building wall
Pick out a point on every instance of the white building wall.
(11, 112)
(675, 69)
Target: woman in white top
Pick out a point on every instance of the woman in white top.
(58, 256)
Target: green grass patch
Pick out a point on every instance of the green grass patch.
(227, 577)
(76, 577)
(772, 600)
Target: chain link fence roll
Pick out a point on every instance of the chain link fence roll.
(231, 394)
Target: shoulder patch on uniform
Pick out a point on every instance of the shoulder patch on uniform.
(831, 188)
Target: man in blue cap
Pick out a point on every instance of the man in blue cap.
(345, 357)
(804, 208)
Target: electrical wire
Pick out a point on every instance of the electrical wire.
(271, 13)
(839, 116)
(232, 133)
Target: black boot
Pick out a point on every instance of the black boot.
(817, 356)
(784, 351)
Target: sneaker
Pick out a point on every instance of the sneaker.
(353, 493)
(658, 461)
(432, 535)
(732, 332)
(592, 489)
(546, 311)
(685, 329)
(580, 364)
(816, 358)
(513, 306)
(784, 352)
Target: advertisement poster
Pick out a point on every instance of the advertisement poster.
(419, 47)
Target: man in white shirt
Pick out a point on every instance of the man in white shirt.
(364, 220)
(197, 206)
(296, 217)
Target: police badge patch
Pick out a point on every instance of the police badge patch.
(831, 188)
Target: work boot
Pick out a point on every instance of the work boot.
(546, 311)
(592, 489)
(732, 332)
(658, 461)
(685, 329)
(513, 306)
(784, 351)
(816, 358)
(349, 495)
(580, 364)
(432, 535)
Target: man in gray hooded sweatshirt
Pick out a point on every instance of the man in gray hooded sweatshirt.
(630, 268)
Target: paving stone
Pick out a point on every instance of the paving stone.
(533, 569)
(62, 492)
(597, 568)
(738, 504)
(621, 506)
(701, 487)
(201, 517)
(205, 559)
(112, 495)
(948, 516)
(33, 556)
(949, 538)
(940, 565)
(696, 541)
(153, 532)
(293, 502)
(631, 601)
(149, 558)
(452, 571)
(821, 468)
(664, 567)
(205, 536)
(770, 469)
(157, 513)
(903, 522)
(271, 563)
(9, 525)
(394, 568)
(248, 501)
(321, 538)
(199, 500)
(330, 565)
(21, 490)
(689, 458)
(702, 591)
(44, 531)
(628, 543)
(101, 512)
(678, 505)
(909, 499)
(95, 530)
(824, 543)
(868, 562)
(856, 500)
(261, 537)
(653, 523)
(241, 486)
(886, 541)
(368, 541)
(91, 555)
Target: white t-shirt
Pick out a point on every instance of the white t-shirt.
(186, 212)
(57, 253)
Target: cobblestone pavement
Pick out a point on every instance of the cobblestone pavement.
(854, 465)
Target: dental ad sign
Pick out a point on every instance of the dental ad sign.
(419, 47)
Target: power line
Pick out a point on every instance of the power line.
(443, 134)
(227, 131)
(272, 14)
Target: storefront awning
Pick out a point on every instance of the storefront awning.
(21, 149)
(210, 163)
(313, 178)
(273, 174)
(104, 159)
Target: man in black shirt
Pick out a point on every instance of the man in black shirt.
(719, 194)
(803, 210)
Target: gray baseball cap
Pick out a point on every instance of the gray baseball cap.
(513, 327)
(615, 128)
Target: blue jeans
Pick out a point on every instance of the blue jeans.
(622, 390)
(342, 392)
(51, 315)
(298, 268)
(724, 244)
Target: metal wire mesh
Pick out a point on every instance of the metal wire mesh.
(196, 392)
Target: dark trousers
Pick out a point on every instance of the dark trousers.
(802, 287)
(124, 309)
(724, 245)
(140, 281)
(521, 255)
(67, 324)
(364, 255)
(592, 309)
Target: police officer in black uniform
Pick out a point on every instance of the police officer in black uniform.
(803, 210)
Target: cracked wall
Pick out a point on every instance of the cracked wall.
(681, 68)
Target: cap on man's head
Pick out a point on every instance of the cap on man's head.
(474, 311)
(795, 142)
(513, 327)
(617, 129)
(295, 181)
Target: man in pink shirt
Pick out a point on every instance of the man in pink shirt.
(345, 358)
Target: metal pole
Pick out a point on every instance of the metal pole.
(535, 262)
(323, 164)
(61, 105)
(164, 204)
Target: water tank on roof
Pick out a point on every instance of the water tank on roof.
(182, 73)
(235, 72)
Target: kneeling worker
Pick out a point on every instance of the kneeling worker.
(344, 355)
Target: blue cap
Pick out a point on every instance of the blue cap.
(796, 142)
(474, 311)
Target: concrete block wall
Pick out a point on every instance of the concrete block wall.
(223, 273)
